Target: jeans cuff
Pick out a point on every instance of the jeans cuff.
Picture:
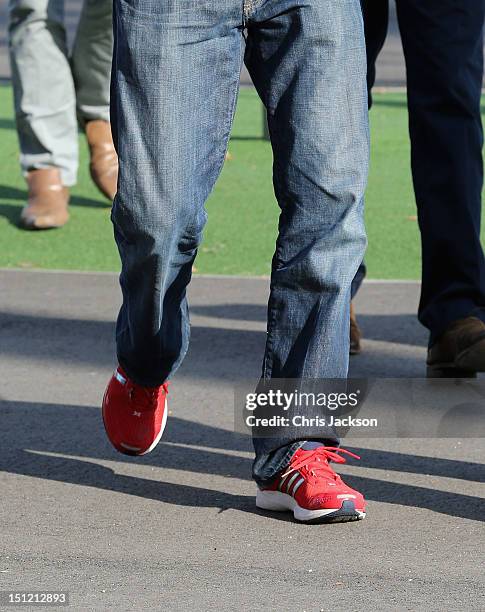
(265, 473)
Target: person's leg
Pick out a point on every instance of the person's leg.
(376, 18)
(443, 46)
(43, 87)
(174, 86)
(91, 60)
(308, 64)
(91, 68)
(376, 21)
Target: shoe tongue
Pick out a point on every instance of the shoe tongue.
(311, 445)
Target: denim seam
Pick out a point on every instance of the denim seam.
(268, 356)
(268, 353)
(232, 110)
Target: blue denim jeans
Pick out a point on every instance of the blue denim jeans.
(175, 80)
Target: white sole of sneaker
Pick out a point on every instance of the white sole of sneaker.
(276, 501)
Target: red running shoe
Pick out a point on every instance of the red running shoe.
(134, 416)
(312, 490)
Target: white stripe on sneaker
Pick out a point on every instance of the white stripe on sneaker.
(291, 481)
(120, 378)
(282, 482)
(297, 486)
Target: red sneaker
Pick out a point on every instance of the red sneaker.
(134, 416)
(312, 490)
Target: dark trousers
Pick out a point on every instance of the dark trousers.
(443, 48)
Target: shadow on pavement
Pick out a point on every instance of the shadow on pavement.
(78, 431)
(214, 353)
(234, 354)
(398, 328)
(239, 312)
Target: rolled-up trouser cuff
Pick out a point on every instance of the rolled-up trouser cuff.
(68, 177)
(92, 113)
(267, 466)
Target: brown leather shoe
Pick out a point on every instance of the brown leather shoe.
(47, 206)
(355, 333)
(460, 352)
(104, 161)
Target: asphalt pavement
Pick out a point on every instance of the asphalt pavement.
(178, 529)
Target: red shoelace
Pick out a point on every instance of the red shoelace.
(318, 459)
(146, 397)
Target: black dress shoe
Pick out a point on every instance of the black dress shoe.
(460, 351)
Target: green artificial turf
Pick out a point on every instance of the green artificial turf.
(240, 234)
